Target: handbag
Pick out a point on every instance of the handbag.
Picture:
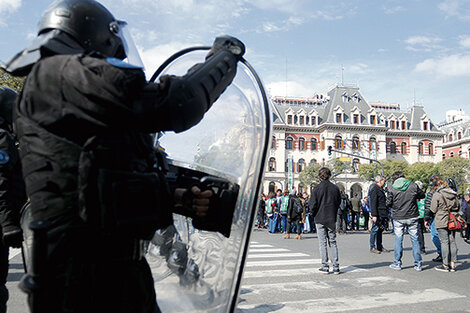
(455, 222)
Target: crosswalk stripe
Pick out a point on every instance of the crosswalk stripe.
(312, 285)
(13, 252)
(293, 272)
(260, 246)
(256, 250)
(276, 255)
(283, 262)
(356, 302)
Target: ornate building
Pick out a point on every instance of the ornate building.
(342, 118)
(456, 141)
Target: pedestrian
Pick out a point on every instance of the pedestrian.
(261, 211)
(277, 208)
(294, 213)
(445, 201)
(324, 205)
(12, 190)
(466, 214)
(403, 199)
(84, 119)
(342, 218)
(429, 219)
(366, 212)
(379, 214)
(270, 205)
(421, 226)
(284, 203)
(355, 211)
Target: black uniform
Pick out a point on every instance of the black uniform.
(88, 162)
(12, 196)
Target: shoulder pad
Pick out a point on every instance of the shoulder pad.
(4, 157)
(121, 64)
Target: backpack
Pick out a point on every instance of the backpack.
(269, 207)
(284, 204)
(344, 204)
(297, 206)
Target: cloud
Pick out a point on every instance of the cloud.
(464, 41)
(423, 43)
(449, 66)
(8, 7)
(289, 88)
(393, 10)
(457, 8)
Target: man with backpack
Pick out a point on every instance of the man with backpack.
(295, 209)
(342, 218)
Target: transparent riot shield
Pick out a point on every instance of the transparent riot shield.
(200, 270)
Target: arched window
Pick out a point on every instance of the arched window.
(301, 144)
(373, 143)
(289, 141)
(273, 143)
(313, 161)
(355, 164)
(272, 164)
(420, 148)
(451, 154)
(295, 119)
(355, 143)
(338, 142)
(404, 148)
(459, 135)
(300, 165)
(393, 147)
(314, 144)
(450, 137)
(443, 156)
(431, 148)
(272, 187)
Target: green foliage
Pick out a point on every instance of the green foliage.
(368, 172)
(392, 166)
(338, 167)
(458, 169)
(309, 175)
(421, 171)
(15, 83)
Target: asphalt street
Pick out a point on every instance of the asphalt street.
(281, 275)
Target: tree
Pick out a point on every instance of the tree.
(15, 83)
(422, 171)
(457, 169)
(338, 167)
(369, 171)
(309, 175)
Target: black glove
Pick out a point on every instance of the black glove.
(13, 237)
(232, 44)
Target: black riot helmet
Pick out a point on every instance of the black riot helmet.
(76, 26)
(7, 101)
(452, 184)
(88, 22)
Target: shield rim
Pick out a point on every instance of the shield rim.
(268, 121)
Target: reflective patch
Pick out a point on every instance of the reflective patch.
(121, 64)
(4, 157)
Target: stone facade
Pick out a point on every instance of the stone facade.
(342, 118)
(456, 141)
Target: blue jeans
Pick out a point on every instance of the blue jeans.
(272, 224)
(376, 235)
(435, 237)
(398, 227)
(284, 223)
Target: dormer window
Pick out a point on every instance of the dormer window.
(425, 125)
(339, 118)
(301, 120)
(392, 124)
(403, 125)
(295, 119)
(289, 119)
(314, 120)
(356, 118)
(372, 120)
(345, 97)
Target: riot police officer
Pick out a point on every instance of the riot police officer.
(89, 164)
(12, 190)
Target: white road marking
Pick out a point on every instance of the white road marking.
(261, 246)
(276, 255)
(318, 284)
(356, 302)
(13, 252)
(293, 272)
(283, 262)
(256, 250)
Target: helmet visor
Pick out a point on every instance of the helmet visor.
(120, 29)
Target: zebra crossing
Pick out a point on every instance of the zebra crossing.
(279, 280)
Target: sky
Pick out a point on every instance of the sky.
(410, 51)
